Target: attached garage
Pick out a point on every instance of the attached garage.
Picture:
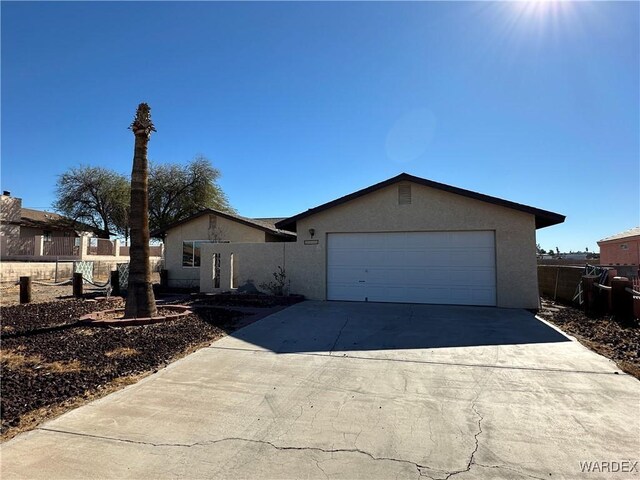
(456, 268)
(407, 240)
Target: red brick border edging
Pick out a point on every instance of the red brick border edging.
(97, 319)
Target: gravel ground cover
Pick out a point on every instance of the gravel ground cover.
(246, 300)
(619, 342)
(21, 319)
(47, 371)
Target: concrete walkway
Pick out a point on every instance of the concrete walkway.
(346, 390)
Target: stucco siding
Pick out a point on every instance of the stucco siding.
(202, 228)
(430, 210)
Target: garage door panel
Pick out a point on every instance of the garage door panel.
(350, 292)
(417, 267)
(345, 275)
(478, 257)
(471, 277)
(471, 240)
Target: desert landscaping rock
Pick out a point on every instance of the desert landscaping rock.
(247, 300)
(617, 341)
(19, 319)
(48, 368)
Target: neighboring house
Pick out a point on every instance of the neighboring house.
(621, 249)
(406, 239)
(183, 240)
(16, 221)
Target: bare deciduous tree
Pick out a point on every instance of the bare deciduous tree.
(178, 191)
(94, 195)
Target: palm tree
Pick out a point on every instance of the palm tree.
(140, 299)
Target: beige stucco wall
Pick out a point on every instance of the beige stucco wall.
(430, 210)
(12, 271)
(202, 228)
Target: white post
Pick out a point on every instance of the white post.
(38, 248)
(116, 247)
(84, 243)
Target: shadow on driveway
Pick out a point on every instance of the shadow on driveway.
(345, 326)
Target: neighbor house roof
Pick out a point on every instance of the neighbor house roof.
(264, 224)
(269, 221)
(53, 221)
(544, 218)
(632, 232)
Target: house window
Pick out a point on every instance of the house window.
(47, 236)
(191, 252)
(624, 246)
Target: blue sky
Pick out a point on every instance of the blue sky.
(299, 103)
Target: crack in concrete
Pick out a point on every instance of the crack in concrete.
(418, 466)
(338, 337)
(321, 469)
(425, 362)
(504, 467)
(471, 461)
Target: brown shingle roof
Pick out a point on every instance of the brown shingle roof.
(30, 217)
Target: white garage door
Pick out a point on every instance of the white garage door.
(414, 267)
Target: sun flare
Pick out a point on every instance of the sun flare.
(540, 8)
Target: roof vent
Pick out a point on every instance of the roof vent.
(404, 194)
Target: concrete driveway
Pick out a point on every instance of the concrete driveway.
(347, 390)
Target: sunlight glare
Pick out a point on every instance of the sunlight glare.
(540, 9)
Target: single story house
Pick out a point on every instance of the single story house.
(184, 239)
(406, 239)
(19, 222)
(621, 249)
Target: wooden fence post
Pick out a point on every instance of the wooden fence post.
(77, 284)
(25, 289)
(115, 282)
(621, 300)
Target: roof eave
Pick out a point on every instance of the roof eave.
(619, 239)
(543, 218)
(210, 211)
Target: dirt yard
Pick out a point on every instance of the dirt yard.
(10, 292)
(50, 364)
(619, 342)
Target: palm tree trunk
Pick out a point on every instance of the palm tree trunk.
(140, 299)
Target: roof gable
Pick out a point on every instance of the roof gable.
(543, 218)
(260, 224)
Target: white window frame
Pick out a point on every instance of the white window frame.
(193, 251)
